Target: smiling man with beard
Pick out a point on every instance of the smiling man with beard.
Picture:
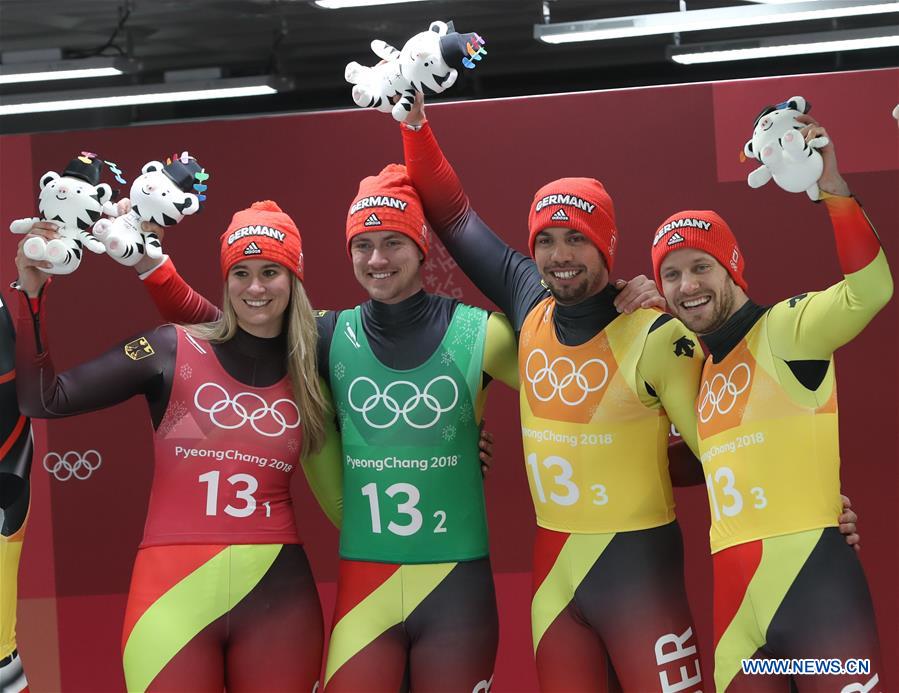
(785, 583)
(599, 390)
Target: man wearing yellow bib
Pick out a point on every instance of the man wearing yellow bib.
(609, 606)
(786, 585)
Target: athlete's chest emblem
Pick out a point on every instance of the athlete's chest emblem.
(246, 408)
(724, 394)
(418, 407)
(563, 379)
(719, 394)
(568, 384)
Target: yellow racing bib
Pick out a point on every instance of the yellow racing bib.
(771, 463)
(596, 455)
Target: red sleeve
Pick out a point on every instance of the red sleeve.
(175, 300)
(856, 239)
(435, 180)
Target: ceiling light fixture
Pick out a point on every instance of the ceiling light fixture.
(779, 46)
(702, 20)
(142, 94)
(343, 4)
(18, 73)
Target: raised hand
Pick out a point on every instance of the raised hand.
(830, 181)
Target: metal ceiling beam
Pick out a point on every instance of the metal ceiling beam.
(705, 20)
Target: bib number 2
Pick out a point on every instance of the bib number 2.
(408, 508)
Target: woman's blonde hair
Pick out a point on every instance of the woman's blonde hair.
(302, 338)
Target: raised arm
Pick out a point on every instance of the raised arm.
(813, 326)
(506, 276)
(174, 298)
(136, 366)
(142, 365)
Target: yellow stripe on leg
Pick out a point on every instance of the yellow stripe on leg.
(572, 564)
(189, 606)
(363, 623)
(419, 581)
(388, 605)
(782, 559)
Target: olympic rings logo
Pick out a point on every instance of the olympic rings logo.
(240, 406)
(415, 401)
(720, 393)
(73, 464)
(561, 375)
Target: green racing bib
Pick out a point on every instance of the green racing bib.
(412, 485)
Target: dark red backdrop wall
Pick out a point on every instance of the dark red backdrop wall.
(656, 149)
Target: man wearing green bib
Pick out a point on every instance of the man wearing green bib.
(415, 598)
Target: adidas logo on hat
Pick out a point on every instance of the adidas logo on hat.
(372, 220)
(252, 249)
(559, 215)
(675, 238)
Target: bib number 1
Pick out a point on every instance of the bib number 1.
(245, 485)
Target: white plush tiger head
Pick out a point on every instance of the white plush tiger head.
(71, 201)
(772, 123)
(155, 196)
(422, 63)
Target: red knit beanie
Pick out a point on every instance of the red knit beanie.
(388, 202)
(703, 230)
(581, 204)
(262, 232)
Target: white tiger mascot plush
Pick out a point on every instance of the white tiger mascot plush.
(161, 195)
(776, 141)
(423, 65)
(73, 201)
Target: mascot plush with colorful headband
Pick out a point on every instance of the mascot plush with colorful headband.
(794, 164)
(73, 201)
(163, 194)
(425, 64)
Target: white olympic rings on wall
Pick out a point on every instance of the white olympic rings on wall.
(72, 464)
(391, 402)
(257, 417)
(719, 395)
(561, 375)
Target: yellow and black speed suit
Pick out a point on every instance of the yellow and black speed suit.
(786, 584)
(598, 391)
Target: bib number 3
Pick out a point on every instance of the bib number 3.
(563, 482)
(733, 499)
